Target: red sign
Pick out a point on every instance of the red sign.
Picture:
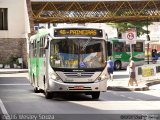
(131, 36)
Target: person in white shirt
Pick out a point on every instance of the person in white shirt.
(132, 74)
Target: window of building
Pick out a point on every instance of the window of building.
(3, 19)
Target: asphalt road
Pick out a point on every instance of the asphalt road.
(17, 97)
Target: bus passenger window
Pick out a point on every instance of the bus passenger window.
(138, 47)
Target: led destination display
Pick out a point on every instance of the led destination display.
(78, 33)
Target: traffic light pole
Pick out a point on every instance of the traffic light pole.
(131, 50)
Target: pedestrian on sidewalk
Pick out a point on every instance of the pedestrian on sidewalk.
(132, 75)
(154, 56)
(110, 68)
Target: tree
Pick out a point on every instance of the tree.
(123, 27)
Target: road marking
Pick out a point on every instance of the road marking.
(13, 84)
(122, 95)
(4, 111)
(130, 98)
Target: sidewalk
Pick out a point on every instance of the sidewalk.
(122, 85)
(12, 71)
(116, 84)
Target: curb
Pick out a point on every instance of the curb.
(12, 72)
(144, 88)
(153, 83)
(120, 88)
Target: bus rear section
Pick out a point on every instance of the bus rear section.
(121, 52)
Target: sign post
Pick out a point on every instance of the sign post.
(131, 38)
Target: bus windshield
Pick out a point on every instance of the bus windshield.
(77, 53)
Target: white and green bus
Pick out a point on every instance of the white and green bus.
(68, 59)
(121, 52)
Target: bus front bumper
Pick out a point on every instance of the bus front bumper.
(55, 86)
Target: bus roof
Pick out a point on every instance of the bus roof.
(39, 34)
(113, 40)
(43, 32)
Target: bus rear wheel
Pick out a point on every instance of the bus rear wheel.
(95, 95)
(117, 65)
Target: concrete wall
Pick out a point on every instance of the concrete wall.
(13, 46)
(14, 40)
(16, 19)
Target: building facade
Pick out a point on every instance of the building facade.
(14, 29)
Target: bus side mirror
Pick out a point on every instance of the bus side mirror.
(46, 44)
(47, 41)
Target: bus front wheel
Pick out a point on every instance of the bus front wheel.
(117, 65)
(48, 95)
(95, 95)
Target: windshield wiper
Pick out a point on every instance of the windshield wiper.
(85, 45)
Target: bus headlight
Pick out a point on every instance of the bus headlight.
(102, 77)
(54, 77)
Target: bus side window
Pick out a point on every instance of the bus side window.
(40, 53)
(34, 48)
(116, 48)
(138, 47)
(127, 46)
(31, 49)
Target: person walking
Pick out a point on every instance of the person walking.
(132, 74)
(110, 68)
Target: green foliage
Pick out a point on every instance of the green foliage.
(13, 58)
(123, 27)
(2, 60)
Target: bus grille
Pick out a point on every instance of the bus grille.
(78, 74)
(84, 88)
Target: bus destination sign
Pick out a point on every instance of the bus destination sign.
(78, 32)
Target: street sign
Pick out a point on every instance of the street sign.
(131, 36)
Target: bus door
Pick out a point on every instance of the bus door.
(109, 48)
(37, 60)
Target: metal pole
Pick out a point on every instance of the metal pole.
(148, 52)
(131, 50)
(148, 39)
(49, 25)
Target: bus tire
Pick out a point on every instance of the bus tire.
(36, 90)
(117, 65)
(48, 95)
(95, 95)
(35, 87)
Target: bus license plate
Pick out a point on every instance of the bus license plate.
(78, 87)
